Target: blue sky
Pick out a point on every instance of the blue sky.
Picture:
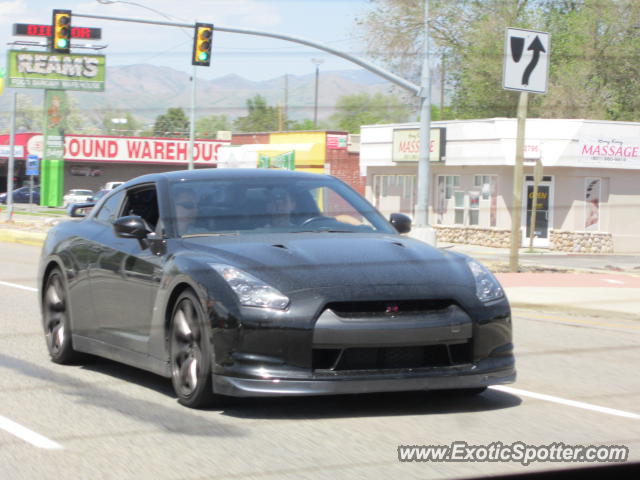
(331, 22)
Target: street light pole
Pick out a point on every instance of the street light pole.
(317, 62)
(192, 123)
(10, 166)
(423, 230)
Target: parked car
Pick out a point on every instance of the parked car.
(269, 282)
(98, 195)
(76, 196)
(21, 195)
(112, 185)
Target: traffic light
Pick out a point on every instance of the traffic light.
(202, 44)
(61, 31)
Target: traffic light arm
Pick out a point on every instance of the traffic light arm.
(393, 78)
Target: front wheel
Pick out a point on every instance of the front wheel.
(56, 321)
(190, 353)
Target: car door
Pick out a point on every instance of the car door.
(126, 276)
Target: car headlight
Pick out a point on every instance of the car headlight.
(251, 291)
(487, 287)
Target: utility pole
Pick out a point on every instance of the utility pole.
(317, 62)
(286, 100)
(442, 77)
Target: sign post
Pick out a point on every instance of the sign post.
(526, 69)
(32, 170)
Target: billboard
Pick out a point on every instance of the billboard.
(55, 71)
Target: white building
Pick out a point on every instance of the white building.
(588, 198)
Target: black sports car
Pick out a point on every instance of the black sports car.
(263, 282)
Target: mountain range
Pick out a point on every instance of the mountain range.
(148, 90)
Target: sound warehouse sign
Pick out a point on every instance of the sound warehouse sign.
(610, 152)
(142, 150)
(406, 145)
(55, 71)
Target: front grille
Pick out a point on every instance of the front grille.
(391, 358)
(381, 308)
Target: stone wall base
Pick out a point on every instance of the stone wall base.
(580, 242)
(559, 240)
(488, 237)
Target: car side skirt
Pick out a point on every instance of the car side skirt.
(122, 355)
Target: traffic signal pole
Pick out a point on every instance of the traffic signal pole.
(10, 167)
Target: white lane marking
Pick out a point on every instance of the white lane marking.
(610, 280)
(15, 285)
(564, 401)
(27, 435)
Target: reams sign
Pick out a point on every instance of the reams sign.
(55, 71)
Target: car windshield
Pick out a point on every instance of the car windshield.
(278, 205)
(80, 192)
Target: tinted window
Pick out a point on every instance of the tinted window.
(143, 202)
(109, 211)
(270, 205)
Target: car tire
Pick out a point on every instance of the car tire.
(56, 320)
(190, 353)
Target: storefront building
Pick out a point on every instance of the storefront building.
(588, 197)
(328, 152)
(92, 161)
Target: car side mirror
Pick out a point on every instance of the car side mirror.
(131, 226)
(80, 209)
(401, 222)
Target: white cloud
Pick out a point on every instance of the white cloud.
(245, 13)
(12, 8)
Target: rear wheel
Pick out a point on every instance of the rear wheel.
(190, 353)
(56, 321)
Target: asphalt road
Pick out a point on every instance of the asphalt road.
(102, 420)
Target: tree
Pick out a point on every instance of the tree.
(119, 123)
(207, 127)
(593, 63)
(261, 117)
(305, 124)
(174, 123)
(28, 116)
(359, 109)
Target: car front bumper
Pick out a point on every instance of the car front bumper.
(490, 371)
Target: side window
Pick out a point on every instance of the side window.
(109, 211)
(143, 202)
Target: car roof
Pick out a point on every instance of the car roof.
(225, 174)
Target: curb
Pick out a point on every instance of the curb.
(35, 239)
(571, 309)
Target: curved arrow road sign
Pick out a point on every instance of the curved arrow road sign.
(526, 60)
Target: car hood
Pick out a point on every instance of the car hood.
(315, 260)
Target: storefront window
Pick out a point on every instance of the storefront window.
(401, 186)
(592, 204)
(474, 208)
(459, 208)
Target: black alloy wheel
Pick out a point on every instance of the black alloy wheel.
(55, 320)
(190, 353)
